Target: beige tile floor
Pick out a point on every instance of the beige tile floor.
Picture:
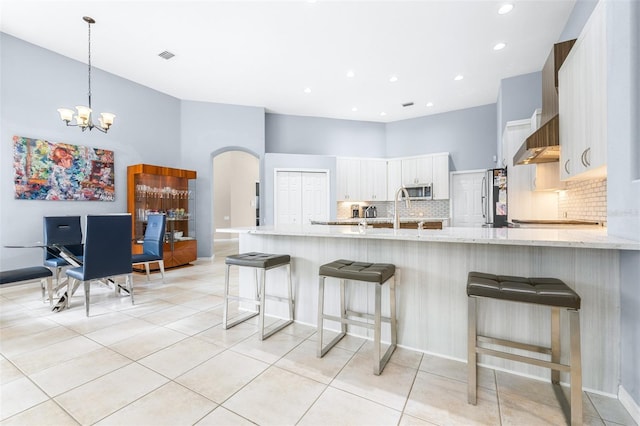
(167, 360)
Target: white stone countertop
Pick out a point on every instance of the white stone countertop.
(584, 237)
(357, 220)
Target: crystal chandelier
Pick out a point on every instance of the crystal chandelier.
(83, 115)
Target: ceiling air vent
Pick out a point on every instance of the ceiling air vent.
(407, 104)
(166, 55)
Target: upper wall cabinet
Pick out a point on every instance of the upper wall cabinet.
(441, 176)
(373, 183)
(582, 93)
(428, 169)
(348, 179)
(417, 170)
(394, 178)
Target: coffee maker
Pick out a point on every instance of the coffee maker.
(355, 210)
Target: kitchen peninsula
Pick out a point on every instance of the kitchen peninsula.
(432, 267)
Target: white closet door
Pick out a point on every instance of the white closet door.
(289, 196)
(466, 199)
(314, 197)
(301, 197)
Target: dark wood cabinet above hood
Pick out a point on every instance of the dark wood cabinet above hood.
(543, 145)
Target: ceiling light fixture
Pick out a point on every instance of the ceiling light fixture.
(429, 104)
(351, 74)
(505, 8)
(354, 109)
(382, 114)
(499, 46)
(307, 90)
(458, 77)
(83, 116)
(393, 78)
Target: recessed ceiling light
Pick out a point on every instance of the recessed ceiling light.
(351, 74)
(458, 77)
(383, 113)
(354, 109)
(505, 8)
(499, 46)
(307, 90)
(429, 104)
(393, 78)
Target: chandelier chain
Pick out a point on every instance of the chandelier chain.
(89, 61)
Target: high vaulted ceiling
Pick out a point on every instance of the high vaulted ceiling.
(266, 53)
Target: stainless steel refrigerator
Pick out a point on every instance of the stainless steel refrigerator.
(494, 198)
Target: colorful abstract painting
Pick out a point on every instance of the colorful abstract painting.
(59, 171)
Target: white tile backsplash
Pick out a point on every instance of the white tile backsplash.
(584, 200)
(434, 208)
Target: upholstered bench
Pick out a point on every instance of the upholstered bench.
(27, 275)
(550, 292)
(375, 273)
(259, 262)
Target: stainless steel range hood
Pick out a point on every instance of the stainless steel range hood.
(543, 145)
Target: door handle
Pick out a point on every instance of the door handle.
(566, 167)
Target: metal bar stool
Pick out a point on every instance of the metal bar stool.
(262, 262)
(376, 273)
(541, 291)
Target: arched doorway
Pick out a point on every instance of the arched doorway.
(236, 176)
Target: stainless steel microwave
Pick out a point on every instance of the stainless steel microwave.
(422, 191)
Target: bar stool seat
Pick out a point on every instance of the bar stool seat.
(259, 262)
(550, 292)
(375, 273)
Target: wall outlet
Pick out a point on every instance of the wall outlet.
(564, 215)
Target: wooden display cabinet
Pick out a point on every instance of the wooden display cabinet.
(157, 189)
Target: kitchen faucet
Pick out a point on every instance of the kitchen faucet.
(396, 216)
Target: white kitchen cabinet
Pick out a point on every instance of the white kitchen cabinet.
(394, 178)
(348, 179)
(582, 95)
(441, 176)
(373, 183)
(417, 170)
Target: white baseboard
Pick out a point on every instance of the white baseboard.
(629, 404)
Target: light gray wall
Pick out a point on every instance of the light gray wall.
(34, 83)
(209, 128)
(469, 135)
(519, 96)
(292, 134)
(579, 15)
(274, 161)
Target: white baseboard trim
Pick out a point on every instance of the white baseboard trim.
(629, 404)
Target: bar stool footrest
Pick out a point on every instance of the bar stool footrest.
(324, 349)
(239, 319)
(273, 330)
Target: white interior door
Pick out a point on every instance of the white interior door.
(289, 198)
(466, 201)
(301, 196)
(314, 197)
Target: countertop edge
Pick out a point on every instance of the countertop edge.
(594, 239)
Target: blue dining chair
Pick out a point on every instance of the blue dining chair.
(107, 254)
(152, 246)
(61, 230)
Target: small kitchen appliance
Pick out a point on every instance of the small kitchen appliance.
(355, 210)
(421, 191)
(371, 212)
